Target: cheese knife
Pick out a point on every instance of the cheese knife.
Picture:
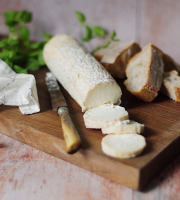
(59, 104)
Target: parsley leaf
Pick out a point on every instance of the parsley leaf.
(19, 69)
(113, 35)
(24, 33)
(80, 16)
(88, 34)
(95, 31)
(17, 50)
(46, 36)
(99, 31)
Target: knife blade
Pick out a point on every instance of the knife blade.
(59, 104)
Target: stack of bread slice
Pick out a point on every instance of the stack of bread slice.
(148, 72)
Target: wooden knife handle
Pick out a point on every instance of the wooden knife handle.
(70, 133)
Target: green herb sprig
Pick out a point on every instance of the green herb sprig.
(17, 50)
(94, 32)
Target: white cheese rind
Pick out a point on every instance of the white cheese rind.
(123, 146)
(80, 73)
(124, 127)
(104, 115)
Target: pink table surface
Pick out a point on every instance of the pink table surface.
(27, 173)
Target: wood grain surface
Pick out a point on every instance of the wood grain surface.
(43, 131)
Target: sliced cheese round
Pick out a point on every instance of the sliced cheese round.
(123, 127)
(123, 146)
(85, 79)
(104, 115)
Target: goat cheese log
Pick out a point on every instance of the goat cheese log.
(85, 79)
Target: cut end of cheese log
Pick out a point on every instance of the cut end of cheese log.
(171, 85)
(116, 56)
(145, 73)
(124, 127)
(123, 146)
(103, 116)
(85, 79)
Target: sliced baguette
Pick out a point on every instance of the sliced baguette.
(124, 127)
(104, 115)
(115, 57)
(144, 73)
(169, 63)
(123, 146)
(171, 85)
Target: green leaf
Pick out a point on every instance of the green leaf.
(19, 69)
(3, 42)
(101, 47)
(116, 40)
(33, 53)
(113, 35)
(12, 42)
(26, 16)
(99, 31)
(24, 33)
(47, 36)
(106, 45)
(9, 62)
(12, 29)
(10, 18)
(13, 18)
(37, 45)
(41, 59)
(88, 34)
(81, 17)
(33, 64)
(96, 49)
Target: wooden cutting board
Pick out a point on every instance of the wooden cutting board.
(43, 131)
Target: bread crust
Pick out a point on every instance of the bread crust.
(117, 68)
(169, 89)
(169, 63)
(155, 69)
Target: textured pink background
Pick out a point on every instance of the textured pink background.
(26, 173)
(156, 21)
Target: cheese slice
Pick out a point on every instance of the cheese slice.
(124, 127)
(85, 79)
(123, 146)
(104, 115)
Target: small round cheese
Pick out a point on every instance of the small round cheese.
(123, 146)
(104, 115)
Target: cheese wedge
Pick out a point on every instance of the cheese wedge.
(103, 116)
(124, 127)
(123, 146)
(85, 79)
